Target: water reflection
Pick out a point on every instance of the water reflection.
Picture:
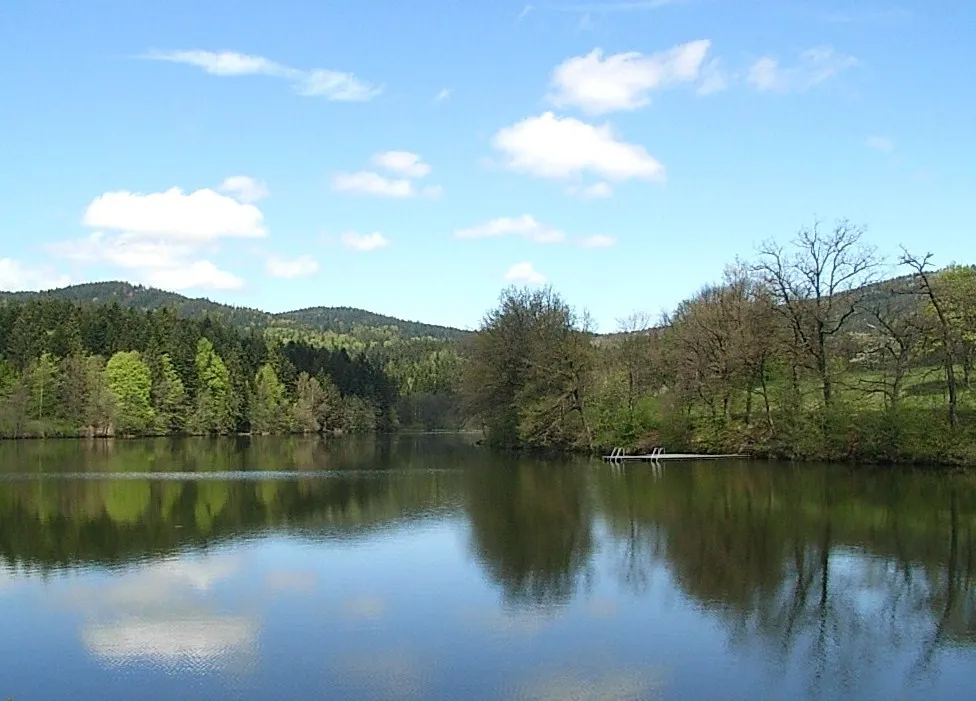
(842, 573)
(423, 568)
(531, 529)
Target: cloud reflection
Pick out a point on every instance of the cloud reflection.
(189, 644)
(165, 614)
(364, 607)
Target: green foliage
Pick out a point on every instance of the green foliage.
(43, 376)
(130, 382)
(204, 376)
(527, 373)
(785, 360)
(212, 411)
(169, 399)
(269, 408)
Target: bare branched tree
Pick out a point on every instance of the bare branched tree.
(817, 288)
(921, 265)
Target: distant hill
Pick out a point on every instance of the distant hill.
(336, 319)
(346, 319)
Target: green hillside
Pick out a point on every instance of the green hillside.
(343, 320)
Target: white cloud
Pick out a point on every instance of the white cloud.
(403, 163)
(202, 215)
(369, 183)
(525, 226)
(200, 274)
(880, 143)
(713, 78)
(524, 274)
(814, 67)
(244, 189)
(442, 95)
(364, 242)
(333, 85)
(225, 63)
(302, 266)
(563, 147)
(591, 192)
(159, 237)
(17, 277)
(598, 241)
(525, 11)
(599, 84)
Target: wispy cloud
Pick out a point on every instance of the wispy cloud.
(524, 13)
(302, 266)
(330, 84)
(403, 164)
(244, 188)
(442, 95)
(525, 226)
(814, 66)
(591, 192)
(524, 274)
(15, 276)
(598, 241)
(880, 143)
(364, 242)
(599, 83)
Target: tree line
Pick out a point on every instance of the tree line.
(802, 352)
(69, 369)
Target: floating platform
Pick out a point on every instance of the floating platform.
(619, 455)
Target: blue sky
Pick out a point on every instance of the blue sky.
(413, 158)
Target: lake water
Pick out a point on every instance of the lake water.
(425, 568)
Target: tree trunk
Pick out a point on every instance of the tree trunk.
(765, 395)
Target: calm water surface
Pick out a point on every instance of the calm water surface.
(424, 568)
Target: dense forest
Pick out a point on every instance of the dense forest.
(69, 369)
(804, 352)
(119, 359)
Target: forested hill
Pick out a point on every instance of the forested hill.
(335, 319)
(346, 319)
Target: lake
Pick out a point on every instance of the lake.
(422, 567)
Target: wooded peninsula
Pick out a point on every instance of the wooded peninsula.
(804, 352)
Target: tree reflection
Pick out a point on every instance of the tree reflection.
(824, 566)
(65, 503)
(531, 529)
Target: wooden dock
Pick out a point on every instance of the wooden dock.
(620, 455)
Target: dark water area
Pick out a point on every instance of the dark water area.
(421, 567)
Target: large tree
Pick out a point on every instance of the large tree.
(528, 372)
(817, 285)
